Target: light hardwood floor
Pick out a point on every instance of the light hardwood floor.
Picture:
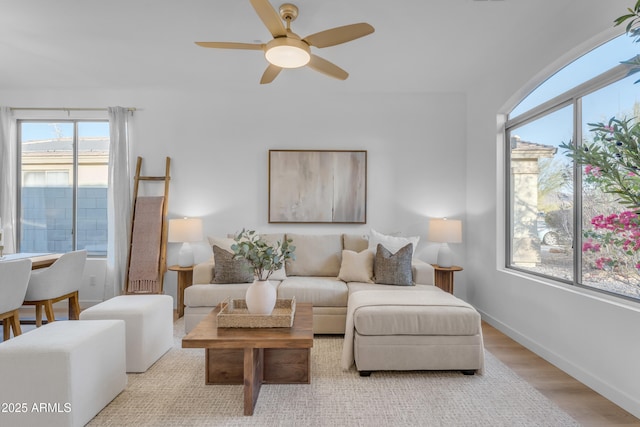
(582, 403)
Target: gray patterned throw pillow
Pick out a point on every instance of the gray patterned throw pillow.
(229, 270)
(393, 269)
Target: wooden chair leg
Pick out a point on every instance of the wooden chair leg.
(74, 307)
(48, 309)
(5, 329)
(38, 315)
(15, 324)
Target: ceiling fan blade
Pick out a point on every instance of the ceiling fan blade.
(231, 45)
(269, 17)
(325, 67)
(270, 74)
(339, 35)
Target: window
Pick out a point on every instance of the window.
(551, 202)
(63, 186)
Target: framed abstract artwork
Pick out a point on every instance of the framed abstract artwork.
(318, 186)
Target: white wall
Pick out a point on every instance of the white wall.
(219, 147)
(218, 144)
(592, 337)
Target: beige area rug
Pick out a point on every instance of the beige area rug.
(173, 393)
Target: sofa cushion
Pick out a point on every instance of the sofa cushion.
(393, 268)
(316, 255)
(355, 242)
(360, 286)
(320, 291)
(356, 267)
(416, 320)
(229, 270)
(392, 243)
(212, 295)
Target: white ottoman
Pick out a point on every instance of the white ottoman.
(63, 373)
(149, 326)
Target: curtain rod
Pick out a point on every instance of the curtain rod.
(132, 109)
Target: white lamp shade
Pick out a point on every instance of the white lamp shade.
(185, 230)
(445, 230)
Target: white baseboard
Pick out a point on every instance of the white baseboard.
(620, 398)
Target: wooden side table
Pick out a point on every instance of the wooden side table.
(185, 279)
(444, 277)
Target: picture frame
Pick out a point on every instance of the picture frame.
(318, 186)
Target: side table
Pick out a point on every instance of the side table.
(185, 279)
(444, 277)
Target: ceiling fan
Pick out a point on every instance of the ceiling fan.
(287, 49)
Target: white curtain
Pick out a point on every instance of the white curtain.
(8, 162)
(118, 202)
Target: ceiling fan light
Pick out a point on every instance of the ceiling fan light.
(287, 53)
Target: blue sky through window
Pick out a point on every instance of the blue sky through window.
(35, 131)
(614, 100)
(593, 63)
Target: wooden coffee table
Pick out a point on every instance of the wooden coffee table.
(255, 356)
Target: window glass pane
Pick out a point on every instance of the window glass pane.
(47, 187)
(93, 161)
(609, 258)
(592, 64)
(48, 167)
(541, 199)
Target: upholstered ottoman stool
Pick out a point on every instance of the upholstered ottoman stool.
(149, 326)
(61, 374)
(412, 330)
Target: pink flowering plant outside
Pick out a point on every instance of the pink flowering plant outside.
(611, 163)
(613, 237)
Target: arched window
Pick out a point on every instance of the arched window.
(558, 212)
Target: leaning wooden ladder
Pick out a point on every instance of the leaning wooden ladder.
(149, 265)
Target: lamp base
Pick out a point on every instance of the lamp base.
(445, 256)
(185, 255)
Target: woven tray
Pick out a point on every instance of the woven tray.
(234, 314)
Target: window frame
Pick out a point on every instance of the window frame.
(571, 97)
(74, 174)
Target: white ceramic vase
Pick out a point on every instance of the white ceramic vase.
(261, 297)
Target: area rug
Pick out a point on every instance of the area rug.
(173, 393)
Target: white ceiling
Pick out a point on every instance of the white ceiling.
(418, 45)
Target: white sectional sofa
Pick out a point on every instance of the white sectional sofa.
(312, 277)
(413, 326)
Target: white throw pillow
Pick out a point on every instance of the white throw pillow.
(221, 242)
(356, 266)
(391, 243)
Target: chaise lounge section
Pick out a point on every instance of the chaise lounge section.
(424, 329)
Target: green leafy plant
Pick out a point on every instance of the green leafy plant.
(263, 257)
(612, 160)
(633, 31)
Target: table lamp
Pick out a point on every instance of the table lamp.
(445, 231)
(185, 230)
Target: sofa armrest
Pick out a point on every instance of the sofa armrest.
(423, 273)
(203, 272)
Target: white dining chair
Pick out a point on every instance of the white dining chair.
(58, 282)
(14, 278)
